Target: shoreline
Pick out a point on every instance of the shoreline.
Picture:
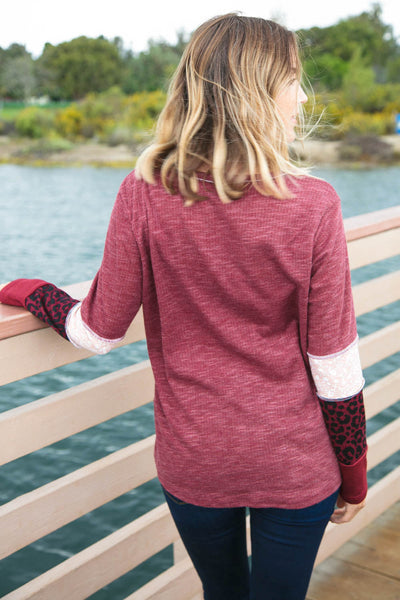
(30, 152)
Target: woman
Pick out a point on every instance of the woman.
(240, 262)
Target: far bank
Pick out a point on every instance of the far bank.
(357, 151)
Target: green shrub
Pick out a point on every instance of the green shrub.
(392, 108)
(143, 108)
(135, 120)
(358, 123)
(34, 122)
(69, 122)
(97, 115)
(326, 115)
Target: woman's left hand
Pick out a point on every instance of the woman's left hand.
(345, 511)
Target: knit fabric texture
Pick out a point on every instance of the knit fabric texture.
(234, 297)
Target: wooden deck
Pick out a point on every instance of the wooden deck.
(365, 568)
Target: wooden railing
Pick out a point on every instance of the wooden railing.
(28, 348)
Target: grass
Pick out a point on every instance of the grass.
(9, 110)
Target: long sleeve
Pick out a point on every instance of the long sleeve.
(331, 319)
(333, 353)
(115, 295)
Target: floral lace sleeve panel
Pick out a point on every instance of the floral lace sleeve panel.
(80, 334)
(338, 375)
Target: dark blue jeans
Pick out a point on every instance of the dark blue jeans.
(284, 547)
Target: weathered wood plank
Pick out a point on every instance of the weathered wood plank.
(376, 293)
(37, 424)
(336, 579)
(382, 393)
(371, 223)
(364, 568)
(180, 582)
(383, 443)
(380, 344)
(374, 248)
(377, 547)
(90, 570)
(30, 353)
(65, 499)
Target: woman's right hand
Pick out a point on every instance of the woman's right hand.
(345, 511)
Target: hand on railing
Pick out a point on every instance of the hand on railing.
(44, 300)
(345, 511)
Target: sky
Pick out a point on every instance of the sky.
(35, 22)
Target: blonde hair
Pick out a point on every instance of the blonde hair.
(220, 115)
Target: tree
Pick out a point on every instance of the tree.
(393, 68)
(72, 69)
(14, 51)
(151, 69)
(17, 73)
(18, 80)
(358, 83)
(328, 51)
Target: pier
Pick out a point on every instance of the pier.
(357, 561)
(364, 568)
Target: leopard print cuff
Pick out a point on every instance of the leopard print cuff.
(51, 305)
(345, 422)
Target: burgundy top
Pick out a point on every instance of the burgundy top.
(234, 297)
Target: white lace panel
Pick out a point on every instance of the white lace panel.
(338, 376)
(82, 336)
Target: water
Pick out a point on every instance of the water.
(53, 224)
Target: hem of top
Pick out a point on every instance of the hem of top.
(75, 308)
(334, 354)
(259, 503)
(345, 397)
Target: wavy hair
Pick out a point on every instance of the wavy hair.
(220, 115)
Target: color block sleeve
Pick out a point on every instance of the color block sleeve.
(333, 352)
